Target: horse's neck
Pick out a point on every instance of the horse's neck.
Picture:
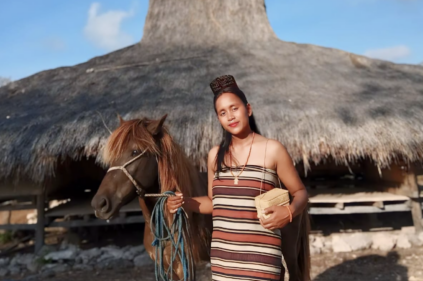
(147, 204)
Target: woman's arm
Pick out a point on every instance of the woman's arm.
(201, 204)
(289, 177)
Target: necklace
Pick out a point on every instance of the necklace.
(249, 153)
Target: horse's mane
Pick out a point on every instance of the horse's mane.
(174, 167)
(176, 173)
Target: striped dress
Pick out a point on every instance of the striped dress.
(241, 248)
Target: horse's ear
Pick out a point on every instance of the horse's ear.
(120, 119)
(155, 127)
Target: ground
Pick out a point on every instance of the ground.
(397, 265)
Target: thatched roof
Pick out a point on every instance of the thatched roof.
(318, 101)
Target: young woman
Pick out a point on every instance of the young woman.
(244, 165)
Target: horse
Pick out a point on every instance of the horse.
(155, 163)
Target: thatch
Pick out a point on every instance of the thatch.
(318, 102)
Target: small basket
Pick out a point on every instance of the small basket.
(274, 197)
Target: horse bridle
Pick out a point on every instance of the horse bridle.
(138, 189)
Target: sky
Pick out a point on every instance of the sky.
(40, 35)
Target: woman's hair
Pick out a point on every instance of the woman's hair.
(227, 137)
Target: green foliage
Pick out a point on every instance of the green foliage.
(43, 261)
(6, 237)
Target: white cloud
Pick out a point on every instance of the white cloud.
(391, 53)
(104, 29)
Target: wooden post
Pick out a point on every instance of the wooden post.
(39, 229)
(416, 207)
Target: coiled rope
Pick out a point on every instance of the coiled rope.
(177, 234)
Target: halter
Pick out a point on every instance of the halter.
(138, 189)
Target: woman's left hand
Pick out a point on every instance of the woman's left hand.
(279, 217)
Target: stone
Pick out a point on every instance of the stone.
(408, 230)
(358, 241)
(90, 254)
(315, 250)
(61, 255)
(83, 267)
(420, 236)
(48, 266)
(328, 246)
(45, 249)
(384, 241)
(14, 270)
(403, 241)
(59, 268)
(78, 260)
(339, 245)
(104, 264)
(115, 253)
(414, 240)
(126, 248)
(15, 259)
(4, 262)
(47, 274)
(105, 256)
(142, 260)
(137, 250)
(318, 242)
(33, 266)
(25, 259)
(128, 255)
(4, 271)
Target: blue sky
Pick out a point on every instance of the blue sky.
(40, 35)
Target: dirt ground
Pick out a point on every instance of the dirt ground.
(398, 265)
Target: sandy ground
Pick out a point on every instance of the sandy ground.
(398, 265)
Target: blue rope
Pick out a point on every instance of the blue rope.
(177, 234)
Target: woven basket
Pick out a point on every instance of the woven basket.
(274, 197)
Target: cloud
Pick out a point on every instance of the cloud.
(391, 53)
(104, 29)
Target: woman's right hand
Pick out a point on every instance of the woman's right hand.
(175, 202)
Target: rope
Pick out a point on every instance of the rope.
(158, 195)
(177, 234)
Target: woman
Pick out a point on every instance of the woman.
(244, 165)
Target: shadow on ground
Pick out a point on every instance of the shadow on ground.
(369, 267)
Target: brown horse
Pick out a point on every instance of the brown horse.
(154, 163)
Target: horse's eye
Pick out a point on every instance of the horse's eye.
(135, 152)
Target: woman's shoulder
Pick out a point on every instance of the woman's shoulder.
(213, 151)
(212, 157)
(275, 146)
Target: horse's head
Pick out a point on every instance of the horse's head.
(131, 152)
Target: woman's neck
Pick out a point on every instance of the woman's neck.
(242, 139)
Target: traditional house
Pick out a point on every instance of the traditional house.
(336, 112)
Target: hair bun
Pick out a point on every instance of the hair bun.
(222, 82)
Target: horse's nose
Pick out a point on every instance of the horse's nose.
(102, 205)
